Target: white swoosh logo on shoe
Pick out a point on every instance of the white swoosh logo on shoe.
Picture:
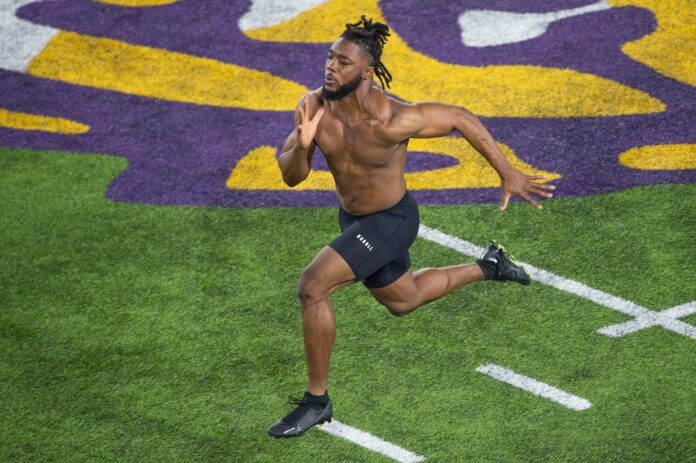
(291, 429)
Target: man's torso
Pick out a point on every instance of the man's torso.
(366, 156)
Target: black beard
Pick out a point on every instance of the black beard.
(342, 91)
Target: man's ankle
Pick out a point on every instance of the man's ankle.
(487, 268)
(322, 399)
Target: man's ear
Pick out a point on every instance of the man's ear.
(369, 72)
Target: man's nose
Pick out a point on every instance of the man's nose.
(330, 65)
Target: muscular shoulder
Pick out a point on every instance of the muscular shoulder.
(427, 119)
(404, 112)
(405, 118)
(397, 118)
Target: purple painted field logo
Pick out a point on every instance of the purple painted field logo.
(198, 96)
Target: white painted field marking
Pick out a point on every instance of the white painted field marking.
(21, 40)
(666, 318)
(484, 28)
(643, 318)
(266, 13)
(369, 441)
(535, 387)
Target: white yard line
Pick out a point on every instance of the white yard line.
(367, 440)
(535, 387)
(643, 317)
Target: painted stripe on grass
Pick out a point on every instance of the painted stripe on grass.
(21, 40)
(551, 279)
(666, 318)
(367, 440)
(643, 317)
(535, 387)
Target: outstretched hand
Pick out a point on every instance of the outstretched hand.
(522, 185)
(306, 129)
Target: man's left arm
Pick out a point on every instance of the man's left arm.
(432, 119)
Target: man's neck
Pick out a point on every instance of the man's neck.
(357, 104)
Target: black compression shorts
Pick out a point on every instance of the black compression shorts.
(376, 245)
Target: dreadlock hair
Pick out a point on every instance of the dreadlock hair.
(371, 37)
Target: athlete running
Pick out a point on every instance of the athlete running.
(363, 133)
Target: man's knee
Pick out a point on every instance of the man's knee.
(310, 287)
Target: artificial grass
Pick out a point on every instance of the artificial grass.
(137, 332)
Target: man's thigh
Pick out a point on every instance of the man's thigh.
(375, 243)
(402, 291)
(328, 271)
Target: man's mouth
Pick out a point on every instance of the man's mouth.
(329, 79)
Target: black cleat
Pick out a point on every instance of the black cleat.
(505, 267)
(301, 418)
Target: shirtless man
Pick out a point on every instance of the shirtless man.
(363, 133)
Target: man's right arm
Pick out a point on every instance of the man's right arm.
(294, 160)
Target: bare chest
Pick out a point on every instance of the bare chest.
(363, 143)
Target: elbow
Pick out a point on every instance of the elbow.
(293, 181)
(466, 117)
(292, 174)
(468, 124)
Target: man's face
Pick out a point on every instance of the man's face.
(344, 69)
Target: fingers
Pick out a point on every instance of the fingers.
(543, 185)
(303, 110)
(540, 189)
(528, 198)
(317, 116)
(504, 202)
(301, 136)
(539, 192)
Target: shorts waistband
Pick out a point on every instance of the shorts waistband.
(404, 199)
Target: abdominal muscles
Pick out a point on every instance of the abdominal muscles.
(364, 190)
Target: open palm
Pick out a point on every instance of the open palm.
(306, 128)
(522, 185)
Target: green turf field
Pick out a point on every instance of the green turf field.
(144, 333)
